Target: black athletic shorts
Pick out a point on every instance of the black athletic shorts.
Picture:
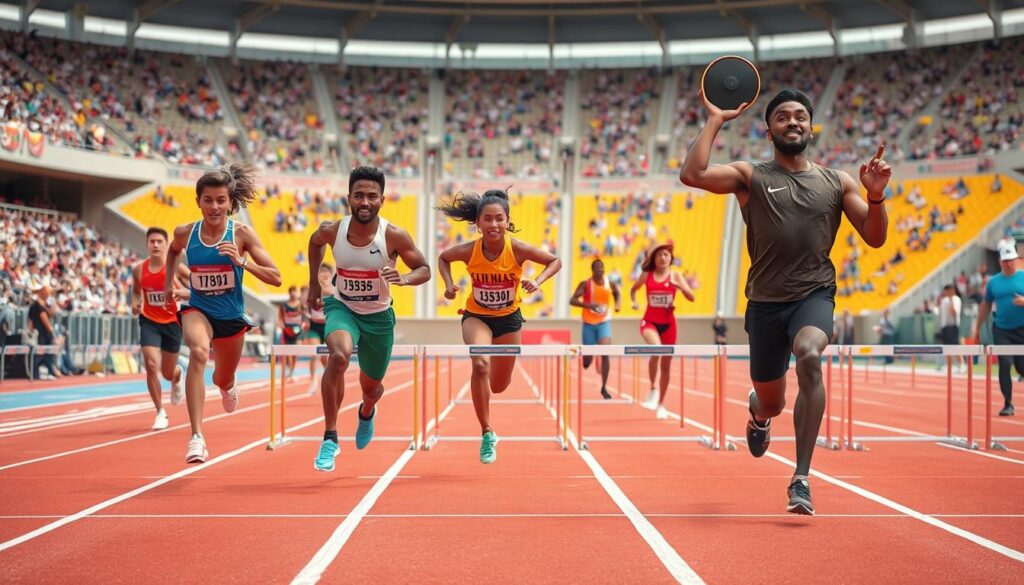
(222, 328)
(950, 335)
(318, 330)
(499, 325)
(290, 334)
(166, 336)
(772, 327)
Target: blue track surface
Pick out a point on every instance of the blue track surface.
(110, 389)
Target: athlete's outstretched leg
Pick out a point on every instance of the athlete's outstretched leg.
(808, 346)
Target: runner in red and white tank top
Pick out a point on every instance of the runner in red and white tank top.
(658, 326)
(159, 332)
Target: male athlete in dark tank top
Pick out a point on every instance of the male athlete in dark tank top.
(792, 208)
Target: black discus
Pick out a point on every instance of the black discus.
(730, 81)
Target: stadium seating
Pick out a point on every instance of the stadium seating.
(696, 230)
(502, 123)
(382, 113)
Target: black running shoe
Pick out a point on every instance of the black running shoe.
(758, 434)
(800, 498)
(605, 394)
(1007, 410)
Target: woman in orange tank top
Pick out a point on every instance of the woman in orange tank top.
(492, 315)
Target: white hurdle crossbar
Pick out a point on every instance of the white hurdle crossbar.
(280, 437)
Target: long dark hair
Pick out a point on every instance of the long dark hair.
(239, 178)
(466, 206)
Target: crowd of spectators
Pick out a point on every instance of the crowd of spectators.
(383, 114)
(86, 270)
(619, 114)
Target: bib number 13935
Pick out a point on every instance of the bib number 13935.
(358, 285)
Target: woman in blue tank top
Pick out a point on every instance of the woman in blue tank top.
(218, 250)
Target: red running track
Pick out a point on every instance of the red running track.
(623, 511)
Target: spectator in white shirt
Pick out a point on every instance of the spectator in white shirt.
(949, 322)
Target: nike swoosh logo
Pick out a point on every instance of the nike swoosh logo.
(770, 190)
(375, 251)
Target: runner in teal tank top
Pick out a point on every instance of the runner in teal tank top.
(218, 251)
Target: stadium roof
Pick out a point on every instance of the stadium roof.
(527, 21)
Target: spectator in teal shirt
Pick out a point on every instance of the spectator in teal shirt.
(1006, 291)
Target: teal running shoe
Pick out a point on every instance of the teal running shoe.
(488, 454)
(325, 457)
(364, 432)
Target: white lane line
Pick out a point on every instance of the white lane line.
(167, 479)
(969, 536)
(143, 404)
(323, 558)
(169, 429)
(954, 530)
(69, 389)
(496, 515)
(981, 453)
(673, 562)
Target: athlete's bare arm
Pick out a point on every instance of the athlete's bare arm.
(723, 179)
(637, 286)
(261, 264)
(577, 297)
(869, 219)
(617, 294)
(679, 281)
(400, 242)
(528, 253)
(137, 288)
(181, 290)
(459, 253)
(326, 234)
(174, 252)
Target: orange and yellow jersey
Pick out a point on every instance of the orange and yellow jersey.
(600, 295)
(495, 282)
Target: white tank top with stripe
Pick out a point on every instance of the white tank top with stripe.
(358, 282)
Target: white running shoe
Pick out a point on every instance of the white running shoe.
(178, 388)
(229, 398)
(662, 412)
(196, 452)
(314, 386)
(651, 402)
(160, 422)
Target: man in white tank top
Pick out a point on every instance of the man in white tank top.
(359, 312)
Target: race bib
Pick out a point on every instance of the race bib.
(358, 285)
(495, 296)
(213, 280)
(662, 301)
(155, 298)
(600, 309)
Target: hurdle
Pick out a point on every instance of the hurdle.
(717, 438)
(279, 437)
(913, 351)
(548, 364)
(992, 352)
